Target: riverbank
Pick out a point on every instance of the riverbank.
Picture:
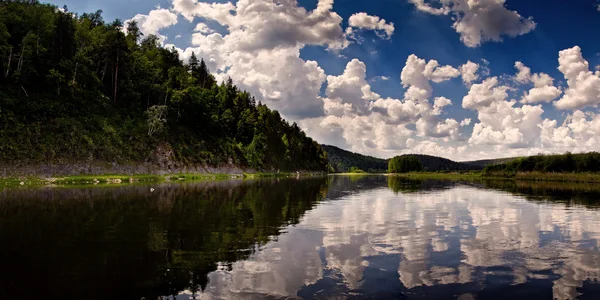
(522, 176)
(141, 178)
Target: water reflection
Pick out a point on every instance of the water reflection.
(337, 237)
(131, 242)
(426, 240)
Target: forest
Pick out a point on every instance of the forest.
(564, 163)
(77, 88)
(405, 164)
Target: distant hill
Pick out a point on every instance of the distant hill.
(342, 160)
(434, 163)
(486, 162)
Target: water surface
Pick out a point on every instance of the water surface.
(334, 237)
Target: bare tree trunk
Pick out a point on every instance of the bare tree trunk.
(75, 74)
(27, 95)
(9, 62)
(116, 78)
(104, 71)
(20, 64)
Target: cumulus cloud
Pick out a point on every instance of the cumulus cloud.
(468, 72)
(543, 89)
(417, 73)
(500, 122)
(479, 21)
(371, 124)
(351, 87)
(203, 28)
(583, 85)
(579, 131)
(364, 21)
(154, 21)
(265, 24)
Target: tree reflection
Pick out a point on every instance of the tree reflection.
(129, 242)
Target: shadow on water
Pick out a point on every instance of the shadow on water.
(133, 242)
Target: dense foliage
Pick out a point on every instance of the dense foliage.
(405, 164)
(73, 87)
(343, 161)
(565, 163)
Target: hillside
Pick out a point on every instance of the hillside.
(486, 162)
(342, 160)
(434, 163)
(75, 89)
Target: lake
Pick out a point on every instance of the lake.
(336, 237)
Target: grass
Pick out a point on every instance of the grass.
(131, 179)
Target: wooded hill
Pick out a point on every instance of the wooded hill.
(342, 161)
(74, 87)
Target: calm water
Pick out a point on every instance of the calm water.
(323, 238)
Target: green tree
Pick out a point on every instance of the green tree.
(404, 164)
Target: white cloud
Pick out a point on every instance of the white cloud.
(203, 28)
(583, 85)
(384, 78)
(482, 95)
(500, 123)
(524, 75)
(153, 22)
(351, 87)
(580, 131)
(417, 73)
(364, 21)
(469, 72)
(439, 104)
(543, 90)
(370, 124)
(479, 21)
(265, 24)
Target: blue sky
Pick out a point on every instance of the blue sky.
(530, 31)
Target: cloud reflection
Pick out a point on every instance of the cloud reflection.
(459, 241)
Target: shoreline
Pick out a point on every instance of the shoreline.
(112, 179)
(523, 176)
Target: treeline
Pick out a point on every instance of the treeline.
(565, 163)
(75, 87)
(343, 161)
(404, 164)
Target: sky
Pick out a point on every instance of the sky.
(462, 79)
